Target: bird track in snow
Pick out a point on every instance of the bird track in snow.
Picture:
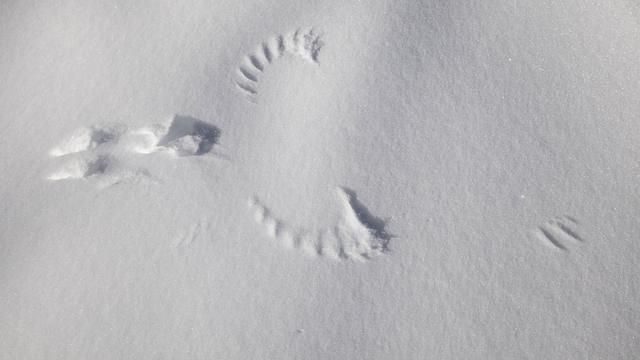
(357, 235)
(98, 151)
(556, 232)
(304, 43)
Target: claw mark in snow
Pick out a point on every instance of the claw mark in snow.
(553, 232)
(357, 234)
(304, 43)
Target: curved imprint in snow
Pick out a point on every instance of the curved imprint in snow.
(357, 235)
(303, 43)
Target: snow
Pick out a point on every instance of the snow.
(319, 179)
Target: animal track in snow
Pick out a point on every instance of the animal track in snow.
(553, 232)
(84, 166)
(187, 136)
(85, 139)
(303, 43)
(357, 234)
(100, 151)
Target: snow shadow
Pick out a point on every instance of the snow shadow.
(374, 223)
(205, 135)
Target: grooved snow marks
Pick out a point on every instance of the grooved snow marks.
(100, 151)
(553, 232)
(357, 235)
(304, 43)
(195, 232)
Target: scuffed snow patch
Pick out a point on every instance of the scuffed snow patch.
(108, 151)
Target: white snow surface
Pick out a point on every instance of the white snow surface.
(326, 179)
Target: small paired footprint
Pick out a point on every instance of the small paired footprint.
(556, 233)
(101, 151)
(305, 44)
(357, 235)
(90, 153)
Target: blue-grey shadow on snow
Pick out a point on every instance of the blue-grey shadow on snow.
(188, 126)
(374, 223)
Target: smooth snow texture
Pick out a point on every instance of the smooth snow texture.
(429, 179)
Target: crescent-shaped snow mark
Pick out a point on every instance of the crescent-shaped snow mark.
(304, 43)
(357, 235)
